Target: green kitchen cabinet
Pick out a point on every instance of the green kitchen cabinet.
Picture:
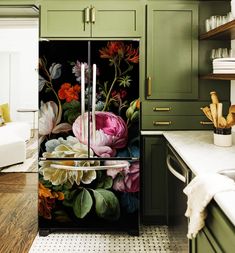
(154, 180)
(172, 50)
(91, 19)
(217, 235)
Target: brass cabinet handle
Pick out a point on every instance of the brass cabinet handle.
(149, 90)
(87, 15)
(93, 15)
(161, 109)
(206, 123)
(159, 123)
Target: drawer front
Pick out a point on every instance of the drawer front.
(172, 122)
(177, 108)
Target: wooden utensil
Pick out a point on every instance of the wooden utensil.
(222, 123)
(214, 97)
(219, 112)
(214, 114)
(207, 112)
(230, 120)
(232, 109)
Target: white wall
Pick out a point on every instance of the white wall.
(18, 66)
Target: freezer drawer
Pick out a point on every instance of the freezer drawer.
(88, 195)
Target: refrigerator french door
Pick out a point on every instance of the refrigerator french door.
(89, 136)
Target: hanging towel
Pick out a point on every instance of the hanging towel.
(200, 191)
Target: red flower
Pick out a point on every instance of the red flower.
(114, 93)
(123, 94)
(132, 54)
(115, 48)
(112, 49)
(69, 92)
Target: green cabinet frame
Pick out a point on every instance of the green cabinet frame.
(172, 50)
(91, 19)
(154, 195)
(217, 235)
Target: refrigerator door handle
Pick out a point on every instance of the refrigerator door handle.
(83, 100)
(93, 104)
(82, 168)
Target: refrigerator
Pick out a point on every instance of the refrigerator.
(89, 141)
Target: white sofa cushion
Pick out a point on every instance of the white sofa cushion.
(20, 129)
(12, 149)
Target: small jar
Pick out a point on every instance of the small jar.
(223, 137)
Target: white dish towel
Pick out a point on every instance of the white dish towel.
(200, 191)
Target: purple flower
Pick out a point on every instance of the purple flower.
(77, 71)
(127, 180)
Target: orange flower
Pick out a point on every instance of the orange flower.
(44, 192)
(46, 201)
(69, 92)
(138, 104)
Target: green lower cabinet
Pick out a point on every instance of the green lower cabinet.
(218, 235)
(154, 194)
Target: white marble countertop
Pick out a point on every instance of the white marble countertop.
(196, 148)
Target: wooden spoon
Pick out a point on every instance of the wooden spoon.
(207, 112)
(214, 114)
(219, 111)
(222, 123)
(214, 97)
(232, 109)
(230, 120)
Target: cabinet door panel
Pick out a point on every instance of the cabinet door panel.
(154, 180)
(172, 53)
(64, 19)
(118, 19)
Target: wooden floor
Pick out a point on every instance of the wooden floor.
(18, 211)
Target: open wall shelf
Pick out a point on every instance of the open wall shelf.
(218, 77)
(223, 32)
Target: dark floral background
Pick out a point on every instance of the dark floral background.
(103, 193)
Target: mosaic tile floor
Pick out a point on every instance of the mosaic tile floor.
(152, 239)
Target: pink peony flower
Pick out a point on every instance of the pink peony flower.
(114, 171)
(132, 178)
(111, 133)
(129, 180)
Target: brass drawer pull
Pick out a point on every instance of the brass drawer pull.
(87, 15)
(93, 15)
(149, 90)
(161, 109)
(159, 123)
(206, 123)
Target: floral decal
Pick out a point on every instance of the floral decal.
(77, 187)
(68, 92)
(111, 133)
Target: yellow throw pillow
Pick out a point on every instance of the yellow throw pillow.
(5, 112)
(1, 121)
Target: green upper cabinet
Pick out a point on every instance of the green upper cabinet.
(172, 50)
(91, 19)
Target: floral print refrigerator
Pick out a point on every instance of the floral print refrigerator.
(89, 136)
